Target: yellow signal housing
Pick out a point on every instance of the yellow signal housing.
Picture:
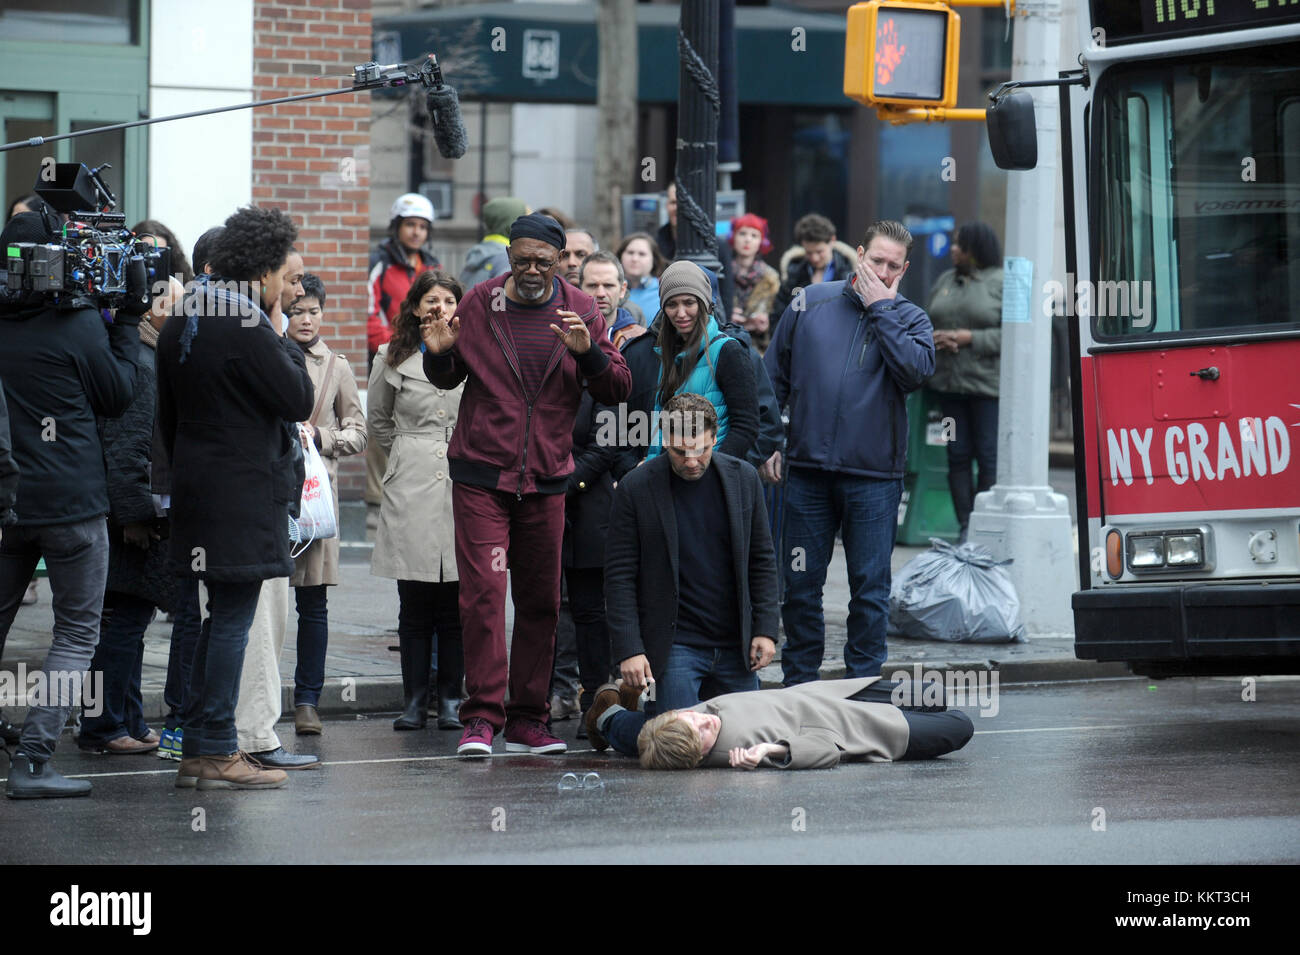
(902, 53)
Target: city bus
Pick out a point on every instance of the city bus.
(1181, 160)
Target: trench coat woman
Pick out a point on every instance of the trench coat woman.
(415, 542)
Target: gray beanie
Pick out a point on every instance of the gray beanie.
(682, 278)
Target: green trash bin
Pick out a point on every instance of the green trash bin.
(926, 508)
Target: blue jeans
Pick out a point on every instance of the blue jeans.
(209, 715)
(865, 510)
(313, 639)
(119, 656)
(975, 435)
(678, 687)
(186, 623)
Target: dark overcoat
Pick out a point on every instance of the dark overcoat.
(222, 411)
(641, 568)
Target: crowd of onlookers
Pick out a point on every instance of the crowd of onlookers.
(502, 431)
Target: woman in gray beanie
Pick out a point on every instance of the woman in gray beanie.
(696, 356)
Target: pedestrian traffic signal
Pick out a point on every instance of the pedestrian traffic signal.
(902, 53)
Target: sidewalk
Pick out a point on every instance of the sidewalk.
(363, 675)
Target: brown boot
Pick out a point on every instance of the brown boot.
(238, 771)
(187, 776)
(306, 721)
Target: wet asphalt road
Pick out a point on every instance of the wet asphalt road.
(1184, 770)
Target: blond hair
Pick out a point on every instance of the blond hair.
(669, 742)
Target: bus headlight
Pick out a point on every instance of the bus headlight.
(1146, 552)
(1184, 550)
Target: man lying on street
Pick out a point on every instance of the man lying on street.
(810, 726)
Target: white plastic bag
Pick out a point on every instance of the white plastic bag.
(958, 594)
(316, 516)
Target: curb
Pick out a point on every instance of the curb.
(367, 695)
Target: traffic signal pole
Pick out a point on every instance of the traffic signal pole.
(1022, 518)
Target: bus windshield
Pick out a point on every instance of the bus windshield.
(1196, 185)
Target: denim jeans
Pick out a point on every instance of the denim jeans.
(209, 715)
(186, 622)
(678, 687)
(313, 640)
(119, 657)
(975, 435)
(865, 510)
(76, 556)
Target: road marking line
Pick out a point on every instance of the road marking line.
(338, 762)
(1067, 729)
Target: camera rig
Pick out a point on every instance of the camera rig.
(99, 262)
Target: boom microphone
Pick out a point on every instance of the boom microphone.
(448, 127)
(444, 106)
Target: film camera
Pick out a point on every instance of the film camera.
(96, 261)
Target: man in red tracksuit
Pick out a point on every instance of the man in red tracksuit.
(526, 343)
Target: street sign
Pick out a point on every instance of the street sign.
(902, 53)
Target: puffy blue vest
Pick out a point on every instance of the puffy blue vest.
(702, 381)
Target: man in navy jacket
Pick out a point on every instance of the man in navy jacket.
(844, 357)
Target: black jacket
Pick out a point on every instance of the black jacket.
(222, 413)
(129, 457)
(590, 490)
(8, 470)
(61, 369)
(800, 276)
(641, 572)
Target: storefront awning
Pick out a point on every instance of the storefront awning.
(547, 52)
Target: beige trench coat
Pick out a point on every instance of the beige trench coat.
(412, 420)
(342, 432)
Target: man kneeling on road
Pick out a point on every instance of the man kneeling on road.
(690, 573)
(810, 726)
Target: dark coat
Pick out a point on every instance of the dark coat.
(641, 571)
(128, 457)
(8, 470)
(839, 362)
(590, 491)
(222, 413)
(61, 368)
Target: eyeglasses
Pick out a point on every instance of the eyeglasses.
(524, 265)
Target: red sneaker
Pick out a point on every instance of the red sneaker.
(477, 739)
(530, 736)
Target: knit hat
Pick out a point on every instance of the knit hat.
(500, 213)
(683, 278)
(540, 227)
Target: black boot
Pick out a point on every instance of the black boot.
(449, 714)
(29, 779)
(415, 653)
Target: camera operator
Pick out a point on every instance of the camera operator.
(60, 368)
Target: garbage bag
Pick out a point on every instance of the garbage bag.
(955, 593)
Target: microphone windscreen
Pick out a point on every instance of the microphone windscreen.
(448, 126)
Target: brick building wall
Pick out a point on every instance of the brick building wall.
(311, 159)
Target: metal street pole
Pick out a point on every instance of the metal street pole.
(1022, 517)
(698, 106)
